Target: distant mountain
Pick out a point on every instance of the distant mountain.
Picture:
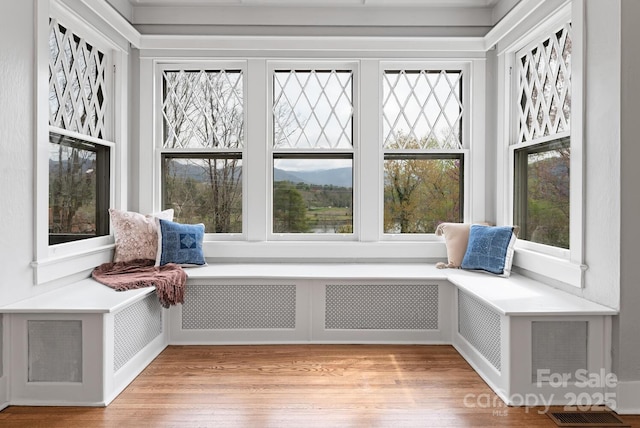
(282, 175)
(341, 177)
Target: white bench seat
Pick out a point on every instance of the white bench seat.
(81, 344)
(522, 296)
(495, 323)
(85, 296)
(378, 271)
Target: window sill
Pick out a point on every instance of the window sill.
(71, 264)
(325, 251)
(554, 268)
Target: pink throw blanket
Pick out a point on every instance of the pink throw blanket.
(169, 280)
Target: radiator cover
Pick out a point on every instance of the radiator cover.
(381, 307)
(481, 327)
(222, 306)
(134, 328)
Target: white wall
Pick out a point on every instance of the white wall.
(16, 155)
(602, 152)
(16, 147)
(626, 339)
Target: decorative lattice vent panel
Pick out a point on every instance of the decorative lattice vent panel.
(381, 307)
(134, 328)
(480, 326)
(558, 347)
(544, 87)
(55, 351)
(77, 83)
(220, 306)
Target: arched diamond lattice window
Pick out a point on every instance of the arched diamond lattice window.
(422, 109)
(544, 87)
(77, 89)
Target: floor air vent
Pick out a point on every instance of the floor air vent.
(587, 419)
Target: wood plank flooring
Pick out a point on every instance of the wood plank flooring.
(297, 386)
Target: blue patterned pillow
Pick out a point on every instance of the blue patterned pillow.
(180, 243)
(490, 248)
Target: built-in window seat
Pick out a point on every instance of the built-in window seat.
(83, 343)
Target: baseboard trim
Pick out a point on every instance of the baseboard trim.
(628, 398)
(4, 391)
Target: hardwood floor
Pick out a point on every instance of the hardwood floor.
(297, 386)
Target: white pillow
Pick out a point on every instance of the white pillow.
(136, 235)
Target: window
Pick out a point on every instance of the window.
(78, 189)
(284, 153)
(202, 147)
(79, 154)
(542, 151)
(312, 151)
(422, 115)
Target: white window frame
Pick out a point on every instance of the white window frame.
(352, 66)
(54, 263)
(159, 135)
(557, 264)
(467, 113)
(367, 242)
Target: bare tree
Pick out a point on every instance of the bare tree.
(203, 109)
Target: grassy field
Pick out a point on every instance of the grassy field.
(330, 219)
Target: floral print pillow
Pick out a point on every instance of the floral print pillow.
(136, 234)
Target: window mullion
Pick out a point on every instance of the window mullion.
(257, 198)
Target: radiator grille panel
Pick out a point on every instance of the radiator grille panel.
(480, 326)
(558, 346)
(55, 351)
(134, 328)
(381, 307)
(211, 307)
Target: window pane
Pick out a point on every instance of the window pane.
(312, 195)
(313, 109)
(78, 189)
(421, 192)
(204, 189)
(544, 97)
(77, 88)
(203, 109)
(542, 193)
(422, 109)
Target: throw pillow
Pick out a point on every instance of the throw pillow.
(135, 234)
(456, 236)
(490, 249)
(180, 243)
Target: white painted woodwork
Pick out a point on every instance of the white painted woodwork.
(95, 306)
(610, 251)
(517, 300)
(85, 296)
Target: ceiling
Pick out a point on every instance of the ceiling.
(317, 3)
(315, 17)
